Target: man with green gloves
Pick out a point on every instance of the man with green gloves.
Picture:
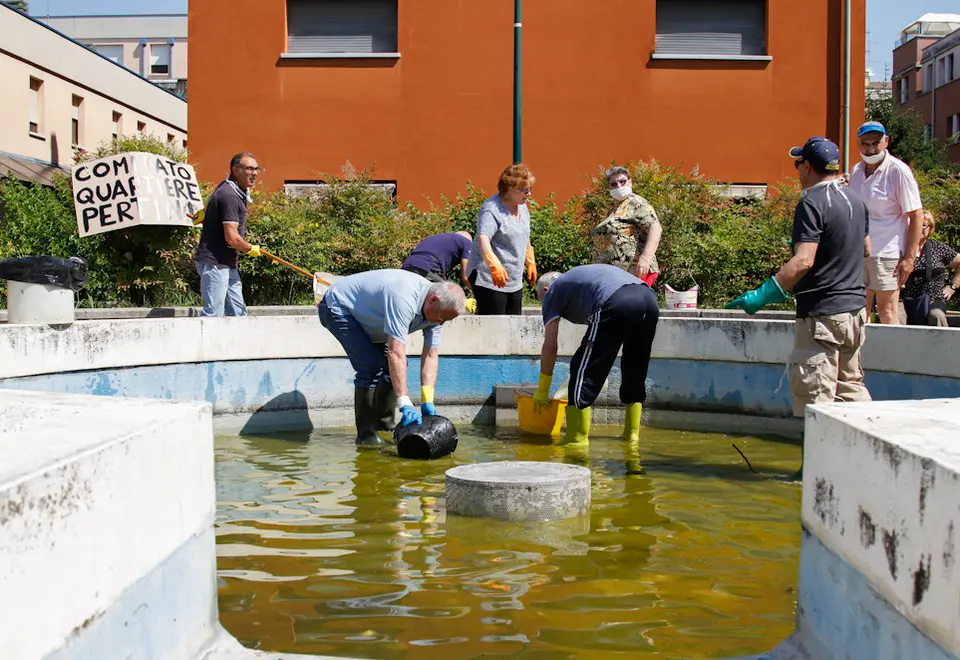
(371, 315)
(830, 239)
(620, 311)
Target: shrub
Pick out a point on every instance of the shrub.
(725, 245)
(140, 266)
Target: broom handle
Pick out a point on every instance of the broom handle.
(296, 269)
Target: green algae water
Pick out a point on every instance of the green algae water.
(326, 549)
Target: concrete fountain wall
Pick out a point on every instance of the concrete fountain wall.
(268, 373)
(127, 560)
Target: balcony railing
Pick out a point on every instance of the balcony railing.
(178, 87)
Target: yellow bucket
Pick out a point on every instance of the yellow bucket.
(543, 422)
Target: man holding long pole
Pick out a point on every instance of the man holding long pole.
(223, 238)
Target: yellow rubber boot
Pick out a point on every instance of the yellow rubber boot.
(631, 422)
(578, 426)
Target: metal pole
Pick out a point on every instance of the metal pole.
(846, 89)
(517, 84)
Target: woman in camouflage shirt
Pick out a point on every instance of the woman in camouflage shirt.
(628, 238)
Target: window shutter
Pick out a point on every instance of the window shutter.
(112, 53)
(711, 27)
(33, 105)
(159, 55)
(341, 26)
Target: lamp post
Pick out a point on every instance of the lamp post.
(847, 15)
(517, 84)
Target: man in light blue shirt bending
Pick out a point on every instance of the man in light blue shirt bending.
(371, 315)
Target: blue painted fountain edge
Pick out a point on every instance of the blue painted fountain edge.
(282, 384)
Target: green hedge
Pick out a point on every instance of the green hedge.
(725, 246)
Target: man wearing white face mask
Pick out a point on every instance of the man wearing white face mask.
(629, 237)
(889, 189)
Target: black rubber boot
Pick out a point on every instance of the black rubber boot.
(386, 402)
(365, 412)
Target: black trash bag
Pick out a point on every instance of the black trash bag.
(434, 438)
(66, 273)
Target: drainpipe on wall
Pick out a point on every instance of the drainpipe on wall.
(517, 84)
(933, 103)
(143, 58)
(848, 11)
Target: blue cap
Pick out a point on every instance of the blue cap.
(871, 127)
(819, 152)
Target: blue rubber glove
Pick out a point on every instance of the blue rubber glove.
(753, 301)
(409, 415)
(428, 410)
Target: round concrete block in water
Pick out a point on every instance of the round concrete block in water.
(519, 490)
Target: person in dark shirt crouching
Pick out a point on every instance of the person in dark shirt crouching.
(436, 255)
(830, 238)
(222, 238)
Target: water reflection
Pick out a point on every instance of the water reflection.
(326, 549)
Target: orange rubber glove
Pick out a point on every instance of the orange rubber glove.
(531, 263)
(497, 272)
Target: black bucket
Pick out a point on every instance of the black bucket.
(434, 438)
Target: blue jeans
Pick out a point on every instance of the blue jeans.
(221, 291)
(369, 360)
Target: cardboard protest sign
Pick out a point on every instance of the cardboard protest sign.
(134, 189)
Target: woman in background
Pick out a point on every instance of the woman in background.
(629, 237)
(943, 258)
(502, 253)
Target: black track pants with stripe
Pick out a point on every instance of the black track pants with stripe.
(629, 320)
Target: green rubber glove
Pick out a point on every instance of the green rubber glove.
(753, 301)
(541, 398)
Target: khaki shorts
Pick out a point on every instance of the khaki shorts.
(825, 362)
(878, 273)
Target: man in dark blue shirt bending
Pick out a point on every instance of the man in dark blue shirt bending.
(620, 311)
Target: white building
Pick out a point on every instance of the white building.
(153, 46)
(59, 95)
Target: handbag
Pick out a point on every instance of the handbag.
(918, 308)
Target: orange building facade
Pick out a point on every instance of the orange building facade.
(603, 81)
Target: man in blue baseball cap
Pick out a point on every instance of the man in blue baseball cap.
(830, 240)
(887, 186)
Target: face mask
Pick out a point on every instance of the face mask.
(621, 193)
(874, 160)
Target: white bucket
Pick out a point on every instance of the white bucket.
(320, 287)
(682, 299)
(39, 303)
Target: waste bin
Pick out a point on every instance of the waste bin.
(41, 289)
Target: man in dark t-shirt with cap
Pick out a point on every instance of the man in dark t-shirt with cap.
(830, 239)
(222, 238)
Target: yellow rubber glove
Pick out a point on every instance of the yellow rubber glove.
(254, 251)
(541, 398)
(426, 394)
(498, 274)
(531, 264)
(426, 401)
(197, 217)
(471, 305)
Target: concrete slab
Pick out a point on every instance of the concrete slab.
(91, 526)
(880, 493)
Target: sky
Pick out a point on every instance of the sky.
(885, 18)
